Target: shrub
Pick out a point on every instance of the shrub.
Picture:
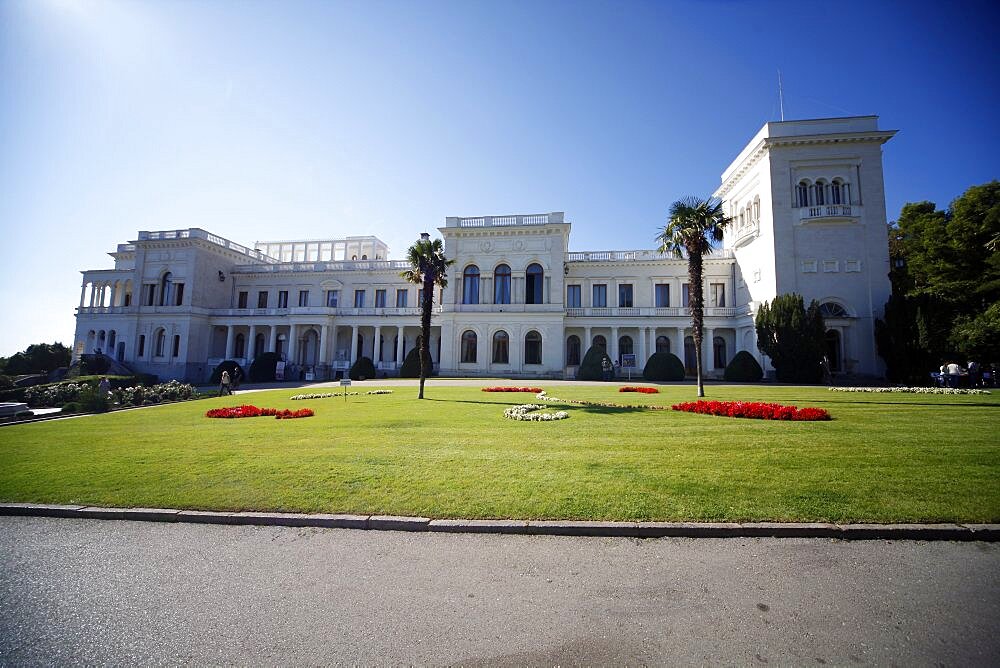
(93, 364)
(792, 335)
(363, 368)
(591, 367)
(663, 366)
(71, 407)
(6, 382)
(411, 365)
(743, 368)
(231, 367)
(262, 368)
(93, 401)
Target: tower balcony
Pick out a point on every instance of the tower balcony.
(830, 213)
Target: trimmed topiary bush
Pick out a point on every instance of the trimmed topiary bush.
(411, 365)
(262, 368)
(743, 368)
(363, 368)
(663, 366)
(231, 367)
(591, 367)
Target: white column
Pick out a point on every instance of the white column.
(377, 345)
(678, 346)
(354, 344)
(586, 342)
(272, 340)
(249, 347)
(324, 333)
(399, 346)
(640, 359)
(613, 345)
(230, 334)
(293, 333)
(83, 293)
(709, 358)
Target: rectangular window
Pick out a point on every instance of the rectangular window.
(380, 299)
(662, 295)
(262, 299)
(332, 297)
(150, 294)
(573, 296)
(177, 346)
(600, 294)
(718, 294)
(625, 295)
(142, 345)
(303, 298)
(420, 298)
(401, 295)
(359, 299)
(283, 299)
(242, 299)
(686, 295)
(179, 293)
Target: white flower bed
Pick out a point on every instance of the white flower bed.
(524, 412)
(327, 395)
(910, 390)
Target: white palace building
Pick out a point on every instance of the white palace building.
(808, 205)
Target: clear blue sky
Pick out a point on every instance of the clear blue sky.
(276, 120)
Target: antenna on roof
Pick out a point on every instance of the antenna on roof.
(781, 97)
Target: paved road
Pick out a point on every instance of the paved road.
(127, 593)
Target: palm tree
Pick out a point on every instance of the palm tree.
(694, 224)
(428, 267)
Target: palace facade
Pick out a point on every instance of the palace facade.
(808, 205)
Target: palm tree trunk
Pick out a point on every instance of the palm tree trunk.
(697, 310)
(425, 330)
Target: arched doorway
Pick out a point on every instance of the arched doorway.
(690, 361)
(833, 350)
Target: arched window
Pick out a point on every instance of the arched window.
(166, 289)
(756, 208)
(468, 346)
(532, 348)
(819, 193)
(835, 197)
(802, 194)
(533, 284)
(600, 343)
(573, 350)
(689, 354)
(719, 352)
(501, 354)
(177, 346)
(161, 340)
(624, 347)
(832, 310)
(240, 345)
(662, 344)
(501, 285)
(470, 285)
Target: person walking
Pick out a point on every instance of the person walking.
(224, 384)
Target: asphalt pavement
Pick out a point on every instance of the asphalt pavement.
(103, 592)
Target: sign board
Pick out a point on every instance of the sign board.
(310, 375)
(279, 370)
(628, 360)
(346, 382)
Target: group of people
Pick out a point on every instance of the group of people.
(229, 382)
(609, 371)
(972, 375)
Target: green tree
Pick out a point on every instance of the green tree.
(694, 224)
(792, 336)
(428, 268)
(37, 358)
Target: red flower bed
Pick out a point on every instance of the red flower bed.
(644, 390)
(253, 411)
(534, 390)
(754, 410)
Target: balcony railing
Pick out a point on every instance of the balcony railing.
(198, 233)
(829, 212)
(506, 221)
(648, 311)
(321, 311)
(349, 265)
(639, 256)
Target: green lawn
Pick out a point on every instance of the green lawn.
(883, 458)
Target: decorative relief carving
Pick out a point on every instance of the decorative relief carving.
(486, 246)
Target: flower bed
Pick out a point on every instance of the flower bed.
(524, 412)
(533, 390)
(328, 395)
(754, 410)
(253, 411)
(910, 390)
(633, 388)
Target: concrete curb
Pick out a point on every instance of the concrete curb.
(953, 532)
